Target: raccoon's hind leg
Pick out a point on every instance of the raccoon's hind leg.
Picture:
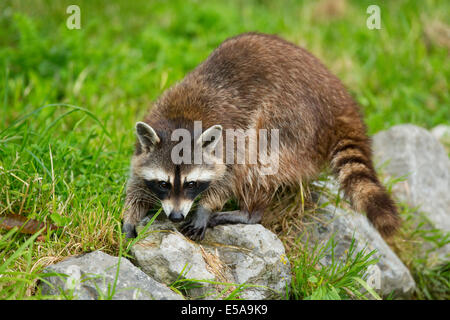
(235, 217)
(204, 218)
(253, 200)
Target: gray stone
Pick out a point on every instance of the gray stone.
(260, 259)
(166, 255)
(235, 254)
(91, 276)
(388, 275)
(442, 133)
(414, 153)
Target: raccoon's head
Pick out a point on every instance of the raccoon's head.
(156, 166)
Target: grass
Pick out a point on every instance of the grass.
(416, 246)
(69, 99)
(341, 279)
(214, 289)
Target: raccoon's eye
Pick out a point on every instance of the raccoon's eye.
(191, 184)
(163, 185)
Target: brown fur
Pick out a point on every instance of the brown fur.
(262, 81)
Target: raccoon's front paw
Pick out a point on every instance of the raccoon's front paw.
(129, 230)
(194, 229)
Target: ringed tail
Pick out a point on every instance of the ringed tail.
(351, 164)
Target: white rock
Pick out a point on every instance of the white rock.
(414, 153)
(261, 259)
(241, 253)
(165, 253)
(442, 133)
(393, 275)
(88, 277)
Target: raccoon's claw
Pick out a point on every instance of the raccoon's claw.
(197, 234)
(193, 231)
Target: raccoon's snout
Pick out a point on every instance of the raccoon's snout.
(176, 216)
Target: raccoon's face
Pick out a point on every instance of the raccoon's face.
(176, 184)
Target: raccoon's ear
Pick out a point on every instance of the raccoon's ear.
(210, 137)
(146, 135)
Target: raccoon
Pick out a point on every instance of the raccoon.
(252, 81)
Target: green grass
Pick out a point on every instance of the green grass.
(416, 247)
(69, 98)
(342, 279)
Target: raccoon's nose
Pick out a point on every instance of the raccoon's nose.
(176, 216)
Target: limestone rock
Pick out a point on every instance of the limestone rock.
(90, 275)
(235, 254)
(389, 274)
(442, 133)
(414, 153)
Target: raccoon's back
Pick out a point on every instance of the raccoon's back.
(263, 81)
(256, 67)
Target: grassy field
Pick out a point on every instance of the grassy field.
(69, 98)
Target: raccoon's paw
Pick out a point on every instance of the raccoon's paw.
(194, 229)
(129, 230)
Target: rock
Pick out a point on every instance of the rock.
(235, 254)
(90, 275)
(166, 255)
(442, 133)
(387, 275)
(260, 259)
(414, 153)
